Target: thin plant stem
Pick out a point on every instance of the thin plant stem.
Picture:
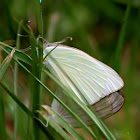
(2, 118)
(35, 87)
(131, 85)
(36, 66)
(119, 48)
(16, 86)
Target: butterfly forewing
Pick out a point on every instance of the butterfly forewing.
(94, 79)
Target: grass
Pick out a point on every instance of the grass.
(108, 31)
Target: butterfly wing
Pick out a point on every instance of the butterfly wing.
(105, 108)
(59, 109)
(109, 105)
(94, 79)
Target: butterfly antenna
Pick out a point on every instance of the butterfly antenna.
(64, 40)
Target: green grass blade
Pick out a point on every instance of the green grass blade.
(131, 72)
(94, 117)
(62, 122)
(25, 109)
(85, 126)
(35, 86)
(2, 118)
(40, 56)
(56, 127)
(119, 48)
(16, 85)
(18, 54)
(5, 64)
(81, 32)
(14, 97)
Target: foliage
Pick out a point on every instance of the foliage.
(106, 30)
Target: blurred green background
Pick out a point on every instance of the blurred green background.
(95, 27)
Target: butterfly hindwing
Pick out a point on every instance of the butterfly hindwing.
(105, 108)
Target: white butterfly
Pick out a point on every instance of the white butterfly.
(97, 82)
